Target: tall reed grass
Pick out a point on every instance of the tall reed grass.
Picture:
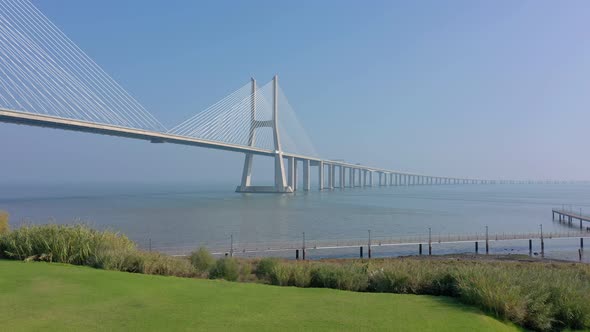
(539, 296)
(82, 245)
(4, 222)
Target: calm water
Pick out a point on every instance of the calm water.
(176, 215)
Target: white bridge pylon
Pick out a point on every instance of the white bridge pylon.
(280, 182)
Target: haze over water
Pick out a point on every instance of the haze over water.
(180, 215)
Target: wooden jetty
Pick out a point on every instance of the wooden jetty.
(569, 216)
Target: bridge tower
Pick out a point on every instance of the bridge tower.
(280, 180)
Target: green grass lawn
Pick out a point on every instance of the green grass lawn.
(41, 296)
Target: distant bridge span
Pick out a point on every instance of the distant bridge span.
(349, 175)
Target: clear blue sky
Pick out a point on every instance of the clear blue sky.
(462, 88)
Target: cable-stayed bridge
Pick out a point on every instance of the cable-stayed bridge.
(47, 81)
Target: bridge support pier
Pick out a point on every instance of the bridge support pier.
(291, 172)
(321, 175)
(306, 175)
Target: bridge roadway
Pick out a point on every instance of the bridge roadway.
(357, 174)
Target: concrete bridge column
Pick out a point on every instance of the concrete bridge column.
(291, 172)
(370, 178)
(342, 178)
(332, 176)
(360, 177)
(321, 175)
(295, 176)
(306, 175)
(351, 177)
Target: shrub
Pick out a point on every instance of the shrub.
(265, 267)
(225, 268)
(202, 260)
(352, 277)
(156, 263)
(280, 275)
(4, 228)
(127, 260)
(300, 275)
(246, 271)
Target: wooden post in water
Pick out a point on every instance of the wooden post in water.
(429, 241)
(369, 247)
(542, 243)
(420, 249)
(530, 247)
(582, 243)
(487, 242)
(476, 247)
(361, 251)
(231, 246)
(297, 254)
(303, 247)
(580, 254)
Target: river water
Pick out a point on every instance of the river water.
(171, 217)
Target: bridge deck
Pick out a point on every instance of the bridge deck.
(47, 121)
